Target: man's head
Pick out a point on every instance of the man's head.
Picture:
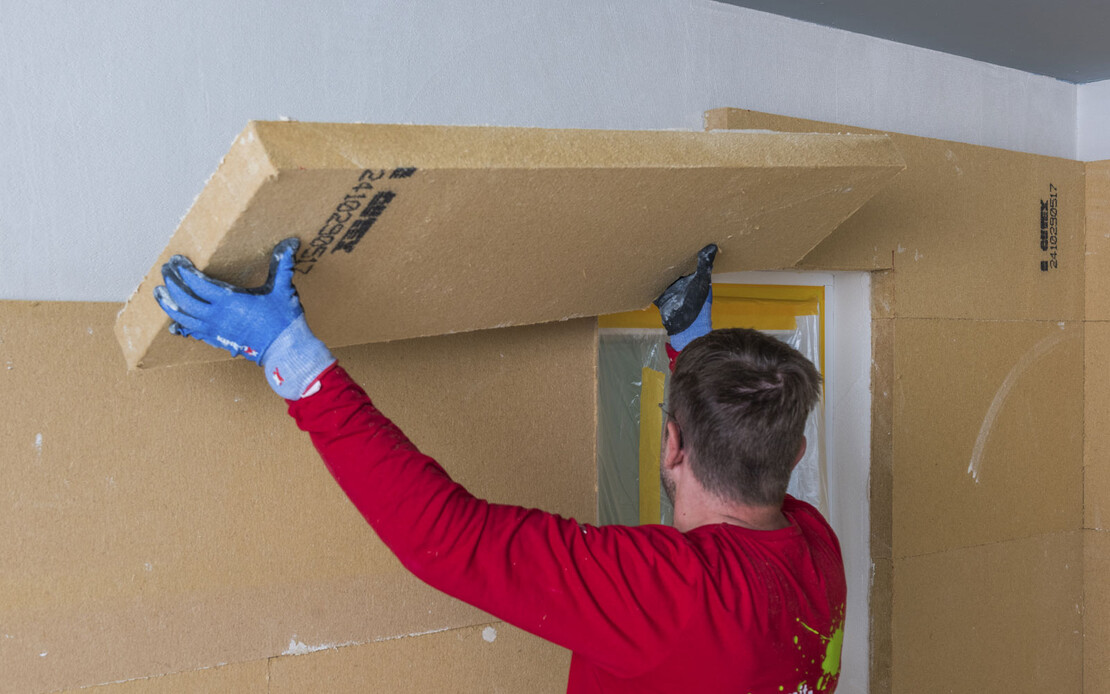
(740, 400)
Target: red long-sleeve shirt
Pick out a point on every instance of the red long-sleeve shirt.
(717, 609)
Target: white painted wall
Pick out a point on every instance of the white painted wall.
(1093, 106)
(112, 115)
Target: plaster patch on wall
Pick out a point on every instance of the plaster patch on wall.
(489, 634)
(301, 648)
(38, 446)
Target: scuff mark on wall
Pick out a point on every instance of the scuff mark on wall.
(1040, 349)
(416, 633)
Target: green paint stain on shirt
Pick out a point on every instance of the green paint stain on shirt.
(831, 665)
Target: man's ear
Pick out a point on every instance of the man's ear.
(673, 452)
(801, 452)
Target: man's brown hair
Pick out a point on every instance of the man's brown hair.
(741, 399)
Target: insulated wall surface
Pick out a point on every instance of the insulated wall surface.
(977, 481)
(1096, 478)
(962, 226)
(158, 522)
(411, 231)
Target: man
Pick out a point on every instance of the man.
(744, 594)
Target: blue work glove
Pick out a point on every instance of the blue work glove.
(264, 324)
(685, 306)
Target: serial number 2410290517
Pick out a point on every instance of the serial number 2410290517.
(1050, 230)
(352, 217)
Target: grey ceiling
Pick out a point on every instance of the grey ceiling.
(1066, 39)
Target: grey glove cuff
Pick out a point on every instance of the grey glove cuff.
(294, 360)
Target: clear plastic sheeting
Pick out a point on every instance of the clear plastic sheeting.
(623, 355)
(809, 481)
